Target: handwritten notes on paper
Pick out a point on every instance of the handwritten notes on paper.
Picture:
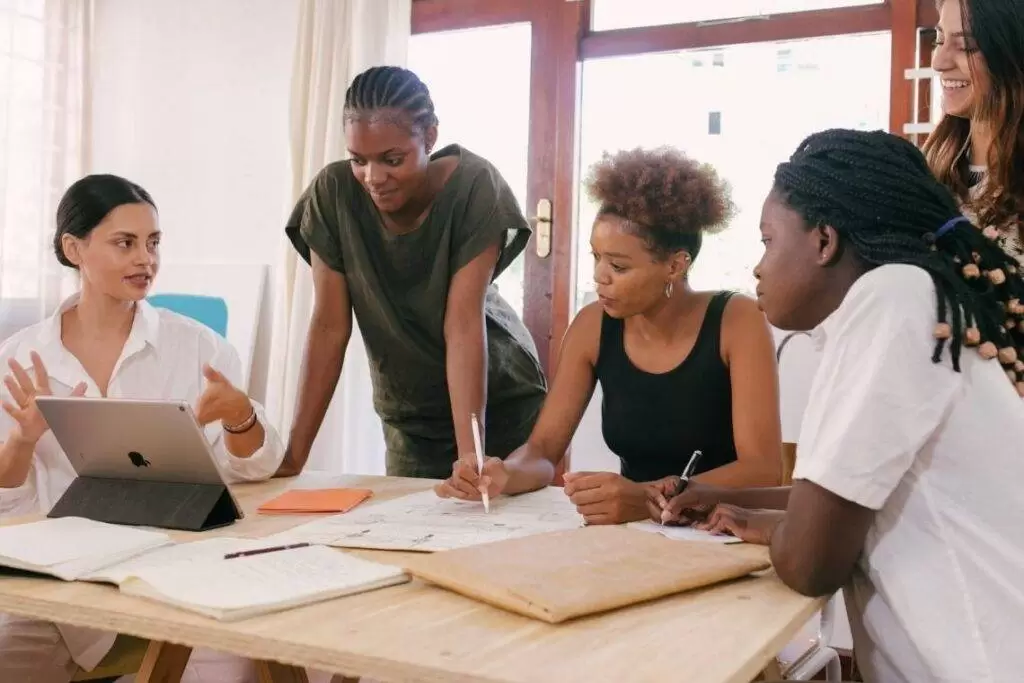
(258, 584)
(424, 522)
(180, 555)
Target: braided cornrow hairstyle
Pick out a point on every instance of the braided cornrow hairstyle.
(876, 191)
(382, 90)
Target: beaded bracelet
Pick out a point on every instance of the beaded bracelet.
(243, 426)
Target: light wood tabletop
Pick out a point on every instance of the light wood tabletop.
(418, 632)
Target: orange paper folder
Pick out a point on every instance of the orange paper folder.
(313, 501)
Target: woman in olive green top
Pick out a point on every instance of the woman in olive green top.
(411, 242)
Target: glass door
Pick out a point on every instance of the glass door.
(494, 69)
(483, 104)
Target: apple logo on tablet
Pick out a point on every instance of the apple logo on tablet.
(138, 460)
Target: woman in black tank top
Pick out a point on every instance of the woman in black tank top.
(680, 370)
(655, 421)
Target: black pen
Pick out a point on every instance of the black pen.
(684, 478)
(260, 551)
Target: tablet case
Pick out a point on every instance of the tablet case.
(161, 504)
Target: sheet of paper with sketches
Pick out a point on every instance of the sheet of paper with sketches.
(682, 533)
(424, 522)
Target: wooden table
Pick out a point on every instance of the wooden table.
(418, 632)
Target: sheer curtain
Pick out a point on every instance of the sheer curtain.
(336, 40)
(44, 53)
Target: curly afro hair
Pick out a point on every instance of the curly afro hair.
(666, 197)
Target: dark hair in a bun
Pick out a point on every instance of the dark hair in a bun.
(87, 202)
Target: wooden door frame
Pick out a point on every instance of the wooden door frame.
(555, 40)
(562, 39)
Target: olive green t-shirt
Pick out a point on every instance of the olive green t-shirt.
(398, 285)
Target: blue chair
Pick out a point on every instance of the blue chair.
(211, 311)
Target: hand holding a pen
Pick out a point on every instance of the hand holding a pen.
(691, 506)
(750, 526)
(468, 480)
(680, 485)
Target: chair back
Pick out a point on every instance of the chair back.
(211, 311)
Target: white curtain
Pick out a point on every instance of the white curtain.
(337, 39)
(44, 54)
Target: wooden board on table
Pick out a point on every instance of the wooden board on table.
(562, 575)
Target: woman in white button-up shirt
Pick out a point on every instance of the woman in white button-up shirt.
(107, 341)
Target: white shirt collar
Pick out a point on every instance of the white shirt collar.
(819, 335)
(61, 364)
(145, 325)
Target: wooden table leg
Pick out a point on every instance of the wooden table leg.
(772, 672)
(275, 672)
(163, 663)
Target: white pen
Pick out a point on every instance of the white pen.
(480, 458)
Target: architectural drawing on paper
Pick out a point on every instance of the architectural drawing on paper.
(424, 522)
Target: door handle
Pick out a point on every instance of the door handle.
(543, 222)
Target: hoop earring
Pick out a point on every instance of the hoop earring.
(668, 289)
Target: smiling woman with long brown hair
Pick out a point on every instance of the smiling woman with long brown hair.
(977, 150)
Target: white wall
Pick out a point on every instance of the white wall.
(190, 100)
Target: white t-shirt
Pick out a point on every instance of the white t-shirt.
(162, 359)
(938, 594)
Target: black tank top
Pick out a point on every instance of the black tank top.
(654, 422)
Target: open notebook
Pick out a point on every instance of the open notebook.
(72, 548)
(566, 574)
(193, 576)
